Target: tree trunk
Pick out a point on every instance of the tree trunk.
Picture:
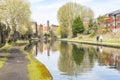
(9, 36)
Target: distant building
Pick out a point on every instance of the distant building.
(112, 20)
(53, 28)
(40, 30)
(46, 28)
(35, 28)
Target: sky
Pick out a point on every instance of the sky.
(43, 10)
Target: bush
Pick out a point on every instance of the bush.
(92, 34)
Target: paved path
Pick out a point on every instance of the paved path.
(16, 66)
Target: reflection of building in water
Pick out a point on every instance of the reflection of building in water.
(113, 60)
(46, 48)
(40, 47)
(49, 48)
(35, 49)
(111, 57)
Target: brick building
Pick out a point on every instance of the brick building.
(42, 28)
(54, 28)
(112, 20)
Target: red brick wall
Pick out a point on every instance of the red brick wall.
(110, 20)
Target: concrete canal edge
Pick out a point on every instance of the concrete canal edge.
(36, 69)
(91, 43)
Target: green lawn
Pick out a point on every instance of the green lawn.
(114, 42)
(36, 70)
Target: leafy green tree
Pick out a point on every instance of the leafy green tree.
(61, 30)
(58, 32)
(15, 13)
(93, 25)
(100, 21)
(68, 12)
(77, 26)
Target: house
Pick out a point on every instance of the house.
(112, 20)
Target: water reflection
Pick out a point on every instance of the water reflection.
(110, 56)
(78, 54)
(72, 61)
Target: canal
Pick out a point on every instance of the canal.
(75, 61)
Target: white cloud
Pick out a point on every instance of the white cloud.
(81, 1)
(43, 12)
(102, 8)
(35, 1)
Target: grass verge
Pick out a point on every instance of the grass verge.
(111, 42)
(2, 61)
(6, 48)
(36, 70)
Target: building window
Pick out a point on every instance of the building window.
(117, 15)
(113, 17)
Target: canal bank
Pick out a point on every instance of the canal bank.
(36, 69)
(20, 65)
(75, 61)
(93, 42)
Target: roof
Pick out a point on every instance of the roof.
(114, 12)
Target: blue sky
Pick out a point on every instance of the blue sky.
(43, 10)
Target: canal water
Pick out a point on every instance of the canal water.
(75, 61)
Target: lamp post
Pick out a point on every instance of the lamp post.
(115, 20)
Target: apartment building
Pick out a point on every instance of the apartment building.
(112, 20)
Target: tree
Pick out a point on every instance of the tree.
(92, 27)
(15, 13)
(77, 26)
(61, 30)
(68, 12)
(100, 20)
(58, 32)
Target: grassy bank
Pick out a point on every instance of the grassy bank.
(36, 70)
(6, 48)
(109, 42)
(2, 61)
